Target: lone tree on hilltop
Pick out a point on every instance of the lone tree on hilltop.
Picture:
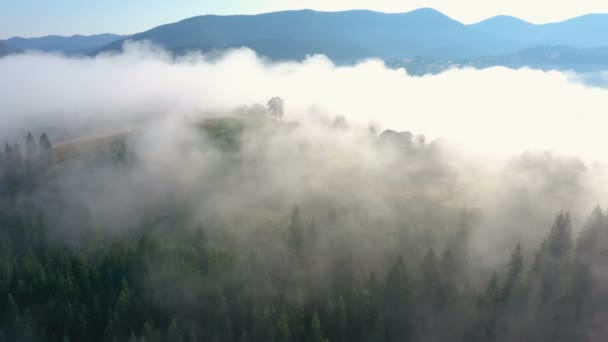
(276, 106)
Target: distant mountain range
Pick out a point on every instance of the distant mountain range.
(69, 45)
(346, 37)
(352, 35)
(6, 49)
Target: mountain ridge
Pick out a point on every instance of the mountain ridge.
(75, 44)
(347, 37)
(422, 32)
(7, 49)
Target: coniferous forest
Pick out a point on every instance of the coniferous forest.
(209, 266)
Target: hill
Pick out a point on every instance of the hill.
(69, 45)
(6, 49)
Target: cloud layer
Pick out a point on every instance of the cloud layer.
(484, 120)
(495, 111)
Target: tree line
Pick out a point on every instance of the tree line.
(151, 287)
(19, 166)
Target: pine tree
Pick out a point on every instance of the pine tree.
(150, 333)
(132, 337)
(589, 265)
(592, 239)
(228, 331)
(341, 320)
(397, 291)
(492, 293)
(560, 237)
(490, 301)
(295, 230)
(378, 334)
(30, 148)
(45, 151)
(283, 333)
(126, 308)
(192, 336)
(316, 333)
(267, 328)
(11, 310)
(312, 236)
(174, 334)
(513, 280)
(548, 273)
(244, 337)
(374, 299)
(431, 287)
(397, 296)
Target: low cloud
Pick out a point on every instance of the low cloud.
(496, 111)
(499, 141)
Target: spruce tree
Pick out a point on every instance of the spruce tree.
(316, 333)
(513, 280)
(282, 331)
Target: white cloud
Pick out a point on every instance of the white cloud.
(496, 111)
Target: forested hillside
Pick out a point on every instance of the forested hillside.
(231, 259)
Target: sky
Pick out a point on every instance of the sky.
(33, 18)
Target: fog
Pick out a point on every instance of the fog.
(494, 155)
(497, 111)
(501, 141)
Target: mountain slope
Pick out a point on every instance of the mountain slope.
(286, 36)
(512, 29)
(363, 33)
(69, 45)
(6, 49)
(587, 31)
(352, 35)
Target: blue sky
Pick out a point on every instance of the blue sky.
(41, 17)
(31, 18)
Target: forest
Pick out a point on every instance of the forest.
(307, 267)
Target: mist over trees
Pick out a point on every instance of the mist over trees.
(335, 268)
(21, 167)
(189, 208)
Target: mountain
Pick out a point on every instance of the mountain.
(424, 40)
(353, 35)
(69, 45)
(588, 31)
(509, 28)
(6, 49)
(342, 36)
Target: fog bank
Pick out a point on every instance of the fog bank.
(497, 112)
